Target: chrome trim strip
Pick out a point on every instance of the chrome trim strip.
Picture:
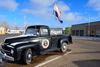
(6, 50)
(35, 40)
(13, 44)
(4, 56)
(10, 46)
(19, 36)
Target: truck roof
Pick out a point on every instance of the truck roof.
(38, 26)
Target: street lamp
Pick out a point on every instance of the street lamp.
(88, 24)
(24, 20)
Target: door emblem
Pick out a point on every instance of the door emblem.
(45, 43)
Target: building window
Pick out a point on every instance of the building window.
(81, 32)
(73, 32)
(77, 32)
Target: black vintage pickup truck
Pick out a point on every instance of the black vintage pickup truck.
(37, 40)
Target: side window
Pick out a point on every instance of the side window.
(44, 31)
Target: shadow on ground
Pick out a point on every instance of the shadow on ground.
(36, 59)
(3, 63)
(88, 63)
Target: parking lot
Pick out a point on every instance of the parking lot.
(82, 53)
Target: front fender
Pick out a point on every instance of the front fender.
(20, 47)
(34, 46)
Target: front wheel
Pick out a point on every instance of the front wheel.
(64, 47)
(27, 56)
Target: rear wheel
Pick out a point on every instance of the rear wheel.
(27, 56)
(64, 47)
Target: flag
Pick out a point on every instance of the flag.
(57, 13)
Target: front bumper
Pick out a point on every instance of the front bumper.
(4, 56)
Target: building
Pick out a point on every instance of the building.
(63, 31)
(68, 30)
(15, 31)
(82, 29)
(2, 30)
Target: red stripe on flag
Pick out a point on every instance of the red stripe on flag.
(58, 8)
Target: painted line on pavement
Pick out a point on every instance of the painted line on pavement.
(48, 61)
(68, 53)
(52, 60)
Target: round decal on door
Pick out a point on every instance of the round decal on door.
(45, 43)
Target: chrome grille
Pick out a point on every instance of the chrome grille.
(5, 51)
(6, 47)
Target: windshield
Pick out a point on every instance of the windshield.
(32, 31)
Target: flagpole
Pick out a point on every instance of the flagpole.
(52, 16)
(51, 22)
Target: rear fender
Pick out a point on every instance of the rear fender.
(63, 40)
(70, 39)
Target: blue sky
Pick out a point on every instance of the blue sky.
(41, 12)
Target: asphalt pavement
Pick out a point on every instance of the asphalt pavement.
(2, 37)
(82, 53)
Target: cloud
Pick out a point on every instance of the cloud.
(69, 4)
(10, 5)
(63, 25)
(71, 16)
(63, 7)
(45, 14)
(40, 3)
(52, 25)
(40, 24)
(59, 26)
(99, 14)
(44, 10)
(2, 17)
(94, 3)
(91, 18)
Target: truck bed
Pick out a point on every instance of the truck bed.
(61, 37)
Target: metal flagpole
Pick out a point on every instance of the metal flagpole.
(52, 16)
(51, 22)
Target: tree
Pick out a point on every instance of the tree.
(5, 24)
(16, 28)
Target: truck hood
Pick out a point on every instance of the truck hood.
(19, 39)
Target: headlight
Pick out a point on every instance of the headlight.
(12, 51)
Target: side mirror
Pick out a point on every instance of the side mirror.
(37, 34)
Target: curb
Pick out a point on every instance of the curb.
(87, 38)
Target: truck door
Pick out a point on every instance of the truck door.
(54, 41)
(45, 38)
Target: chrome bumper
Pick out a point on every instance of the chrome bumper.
(4, 56)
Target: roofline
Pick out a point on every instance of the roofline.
(87, 23)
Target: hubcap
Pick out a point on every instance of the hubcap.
(29, 56)
(64, 47)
